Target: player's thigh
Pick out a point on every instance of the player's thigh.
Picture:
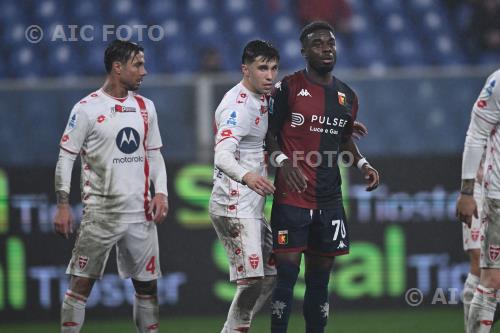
(95, 239)
(290, 228)
(267, 248)
(241, 239)
(490, 247)
(473, 236)
(329, 234)
(138, 254)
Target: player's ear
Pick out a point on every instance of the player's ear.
(117, 67)
(244, 69)
(303, 52)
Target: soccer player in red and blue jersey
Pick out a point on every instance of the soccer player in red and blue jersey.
(311, 125)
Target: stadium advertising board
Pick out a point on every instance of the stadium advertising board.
(403, 236)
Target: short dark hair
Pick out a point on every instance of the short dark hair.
(312, 27)
(257, 48)
(120, 50)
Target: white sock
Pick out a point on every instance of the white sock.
(268, 284)
(240, 313)
(72, 312)
(482, 310)
(470, 286)
(146, 314)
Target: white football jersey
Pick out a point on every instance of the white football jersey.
(112, 136)
(483, 131)
(241, 116)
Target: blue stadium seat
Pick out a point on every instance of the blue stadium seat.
(123, 10)
(84, 11)
(63, 60)
(48, 11)
(24, 63)
(406, 51)
(158, 10)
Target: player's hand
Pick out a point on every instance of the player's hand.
(371, 176)
(261, 185)
(294, 177)
(63, 222)
(359, 130)
(159, 208)
(466, 207)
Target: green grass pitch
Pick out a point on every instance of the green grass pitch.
(428, 320)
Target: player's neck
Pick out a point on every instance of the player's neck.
(249, 86)
(114, 90)
(320, 78)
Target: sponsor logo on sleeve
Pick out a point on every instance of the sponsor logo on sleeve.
(72, 122)
(488, 90)
(481, 104)
(232, 119)
(226, 133)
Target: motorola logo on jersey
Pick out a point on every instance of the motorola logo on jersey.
(128, 140)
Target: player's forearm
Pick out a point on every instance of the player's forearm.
(467, 187)
(63, 171)
(353, 150)
(225, 161)
(158, 171)
(273, 149)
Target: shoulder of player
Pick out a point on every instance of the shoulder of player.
(345, 88)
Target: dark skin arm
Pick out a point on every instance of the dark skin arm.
(370, 174)
(294, 177)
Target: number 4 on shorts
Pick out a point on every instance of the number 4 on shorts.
(151, 266)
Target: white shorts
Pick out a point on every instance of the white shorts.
(248, 244)
(137, 251)
(473, 236)
(490, 247)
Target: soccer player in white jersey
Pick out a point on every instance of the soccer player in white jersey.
(115, 132)
(241, 184)
(483, 131)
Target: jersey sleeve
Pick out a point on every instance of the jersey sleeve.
(76, 131)
(347, 133)
(485, 117)
(233, 124)
(153, 141)
(279, 110)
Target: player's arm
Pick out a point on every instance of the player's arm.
(230, 130)
(370, 174)
(278, 113)
(71, 143)
(484, 118)
(158, 173)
